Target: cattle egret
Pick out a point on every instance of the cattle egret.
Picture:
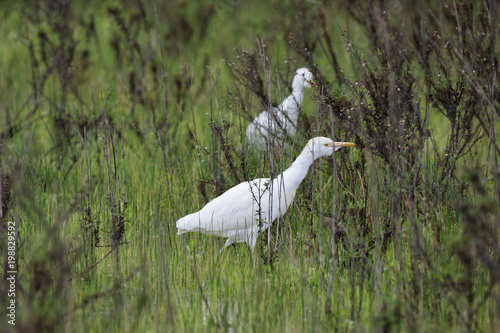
(247, 209)
(276, 124)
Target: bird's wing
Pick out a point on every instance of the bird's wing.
(265, 118)
(232, 211)
(267, 123)
(280, 120)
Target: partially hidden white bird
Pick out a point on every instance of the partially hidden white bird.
(277, 123)
(247, 209)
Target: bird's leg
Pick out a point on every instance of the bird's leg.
(251, 243)
(228, 242)
(252, 238)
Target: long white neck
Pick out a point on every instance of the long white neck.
(293, 102)
(305, 159)
(298, 170)
(291, 105)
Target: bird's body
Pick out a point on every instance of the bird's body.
(247, 209)
(278, 123)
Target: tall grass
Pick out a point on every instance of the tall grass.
(120, 119)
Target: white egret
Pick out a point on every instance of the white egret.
(247, 209)
(281, 121)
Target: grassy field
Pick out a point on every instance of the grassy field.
(119, 118)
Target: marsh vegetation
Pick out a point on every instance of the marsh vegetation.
(119, 118)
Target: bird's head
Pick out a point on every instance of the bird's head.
(303, 79)
(321, 146)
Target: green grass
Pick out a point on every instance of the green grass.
(431, 274)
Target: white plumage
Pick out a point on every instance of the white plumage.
(236, 213)
(279, 122)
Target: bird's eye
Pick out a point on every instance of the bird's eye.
(326, 144)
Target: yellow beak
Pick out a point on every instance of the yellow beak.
(343, 144)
